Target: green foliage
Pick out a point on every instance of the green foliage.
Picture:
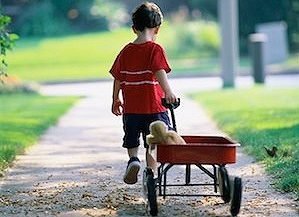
(56, 17)
(259, 118)
(69, 16)
(113, 12)
(208, 8)
(23, 118)
(6, 42)
(39, 19)
(192, 39)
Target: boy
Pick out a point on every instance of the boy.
(139, 71)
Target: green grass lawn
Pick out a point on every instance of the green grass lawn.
(89, 56)
(23, 118)
(258, 118)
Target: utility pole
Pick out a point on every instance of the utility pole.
(229, 54)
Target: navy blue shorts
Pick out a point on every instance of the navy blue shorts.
(136, 124)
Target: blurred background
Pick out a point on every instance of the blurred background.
(79, 39)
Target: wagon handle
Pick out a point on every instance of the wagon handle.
(171, 107)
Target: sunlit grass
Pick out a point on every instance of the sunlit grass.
(23, 118)
(192, 49)
(258, 118)
(76, 57)
(90, 56)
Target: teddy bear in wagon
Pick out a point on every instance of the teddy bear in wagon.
(159, 135)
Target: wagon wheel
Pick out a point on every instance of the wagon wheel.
(144, 185)
(149, 189)
(236, 196)
(223, 181)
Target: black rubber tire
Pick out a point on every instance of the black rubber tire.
(224, 186)
(236, 197)
(151, 194)
(144, 183)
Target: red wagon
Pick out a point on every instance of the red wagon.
(203, 152)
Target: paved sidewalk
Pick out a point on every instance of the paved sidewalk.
(76, 168)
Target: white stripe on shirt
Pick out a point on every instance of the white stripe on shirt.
(136, 72)
(139, 82)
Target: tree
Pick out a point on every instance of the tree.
(53, 17)
(207, 8)
(6, 42)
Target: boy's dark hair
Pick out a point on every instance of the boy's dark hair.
(147, 15)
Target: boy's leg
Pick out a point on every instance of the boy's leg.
(133, 152)
(133, 166)
(150, 161)
(131, 143)
(132, 170)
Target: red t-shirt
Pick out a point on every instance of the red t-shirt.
(135, 68)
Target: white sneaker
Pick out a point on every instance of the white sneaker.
(132, 170)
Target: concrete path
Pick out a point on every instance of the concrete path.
(76, 168)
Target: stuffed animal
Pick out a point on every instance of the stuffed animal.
(159, 134)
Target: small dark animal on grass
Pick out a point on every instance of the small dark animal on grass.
(271, 152)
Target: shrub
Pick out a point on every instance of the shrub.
(12, 84)
(194, 39)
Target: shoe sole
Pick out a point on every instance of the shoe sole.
(132, 172)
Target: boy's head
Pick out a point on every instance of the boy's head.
(147, 15)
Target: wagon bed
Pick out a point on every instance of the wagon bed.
(198, 150)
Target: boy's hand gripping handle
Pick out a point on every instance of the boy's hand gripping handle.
(171, 107)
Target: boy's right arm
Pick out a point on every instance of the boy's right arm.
(163, 81)
(116, 102)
